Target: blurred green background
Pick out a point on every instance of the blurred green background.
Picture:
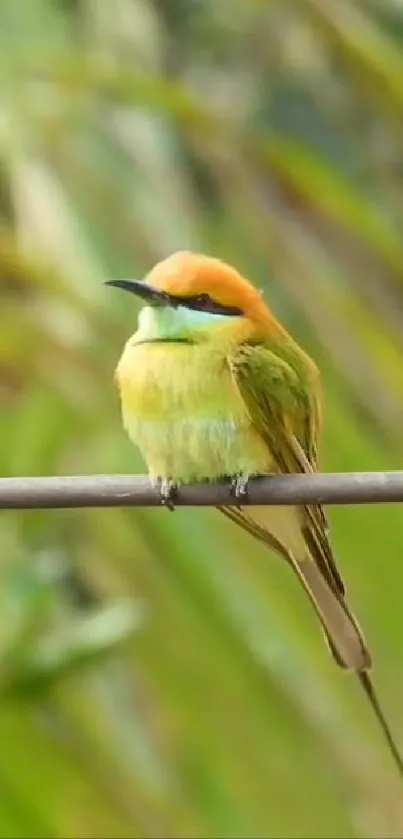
(163, 675)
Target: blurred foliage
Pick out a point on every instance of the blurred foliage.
(162, 675)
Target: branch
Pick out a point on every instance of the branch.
(136, 491)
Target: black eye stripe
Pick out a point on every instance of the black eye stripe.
(205, 303)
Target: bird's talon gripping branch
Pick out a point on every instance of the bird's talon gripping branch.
(239, 486)
(167, 489)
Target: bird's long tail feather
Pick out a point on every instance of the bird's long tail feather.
(368, 687)
(340, 627)
(345, 640)
(342, 632)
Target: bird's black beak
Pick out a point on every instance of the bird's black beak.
(153, 296)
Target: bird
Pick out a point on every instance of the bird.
(213, 387)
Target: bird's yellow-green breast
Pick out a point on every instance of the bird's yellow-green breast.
(180, 403)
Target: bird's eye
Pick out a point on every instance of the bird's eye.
(203, 301)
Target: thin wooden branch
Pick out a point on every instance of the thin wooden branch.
(136, 491)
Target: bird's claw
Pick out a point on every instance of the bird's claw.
(239, 486)
(167, 489)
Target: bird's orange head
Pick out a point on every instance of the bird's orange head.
(205, 284)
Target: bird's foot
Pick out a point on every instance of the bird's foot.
(239, 486)
(167, 490)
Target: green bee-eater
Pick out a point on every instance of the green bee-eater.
(212, 385)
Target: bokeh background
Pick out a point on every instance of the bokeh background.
(163, 675)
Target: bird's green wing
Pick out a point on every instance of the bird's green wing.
(280, 407)
(285, 411)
